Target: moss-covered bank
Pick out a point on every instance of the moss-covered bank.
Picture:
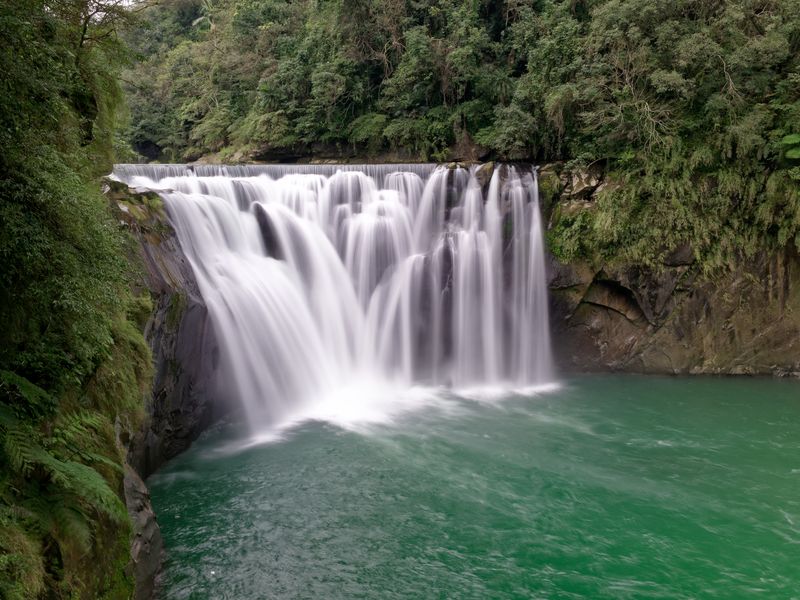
(74, 367)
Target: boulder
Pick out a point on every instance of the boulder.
(581, 184)
(146, 546)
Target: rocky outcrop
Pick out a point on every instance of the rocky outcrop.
(185, 400)
(671, 320)
(185, 356)
(579, 185)
(146, 546)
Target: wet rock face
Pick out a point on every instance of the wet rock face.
(147, 548)
(186, 357)
(185, 400)
(672, 321)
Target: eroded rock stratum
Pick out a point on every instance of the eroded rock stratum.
(671, 318)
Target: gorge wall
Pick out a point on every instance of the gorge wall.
(184, 401)
(671, 318)
(630, 318)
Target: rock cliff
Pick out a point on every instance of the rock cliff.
(184, 401)
(670, 318)
(628, 318)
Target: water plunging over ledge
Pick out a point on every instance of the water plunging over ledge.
(331, 281)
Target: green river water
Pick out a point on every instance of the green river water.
(609, 487)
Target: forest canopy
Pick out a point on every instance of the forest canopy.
(522, 79)
(694, 105)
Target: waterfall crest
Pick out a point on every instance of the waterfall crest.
(316, 276)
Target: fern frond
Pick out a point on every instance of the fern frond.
(21, 449)
(94, 458)
(81, 431)
(87, 484)
(25, 397)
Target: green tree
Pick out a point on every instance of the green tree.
(70, 362)
(685, 102)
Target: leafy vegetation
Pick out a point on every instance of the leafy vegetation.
(71, 363)
(693, 104)
(689, 108)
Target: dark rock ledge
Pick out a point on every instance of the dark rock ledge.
(670, 319)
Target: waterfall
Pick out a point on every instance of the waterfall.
(316, 276)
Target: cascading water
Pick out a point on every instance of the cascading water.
(319, 276)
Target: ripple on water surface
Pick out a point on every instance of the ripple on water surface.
(616, 487)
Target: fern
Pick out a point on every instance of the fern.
(21, 449)
(86, 484)
(26, 398)
(48, 487)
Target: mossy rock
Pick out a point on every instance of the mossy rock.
(141, 211)
(550, 188)
(484, 173)
(175, 310)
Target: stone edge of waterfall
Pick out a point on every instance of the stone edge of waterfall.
(179, 407)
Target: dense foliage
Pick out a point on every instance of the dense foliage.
(71, 362)
(691, 104)
(690, 110)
